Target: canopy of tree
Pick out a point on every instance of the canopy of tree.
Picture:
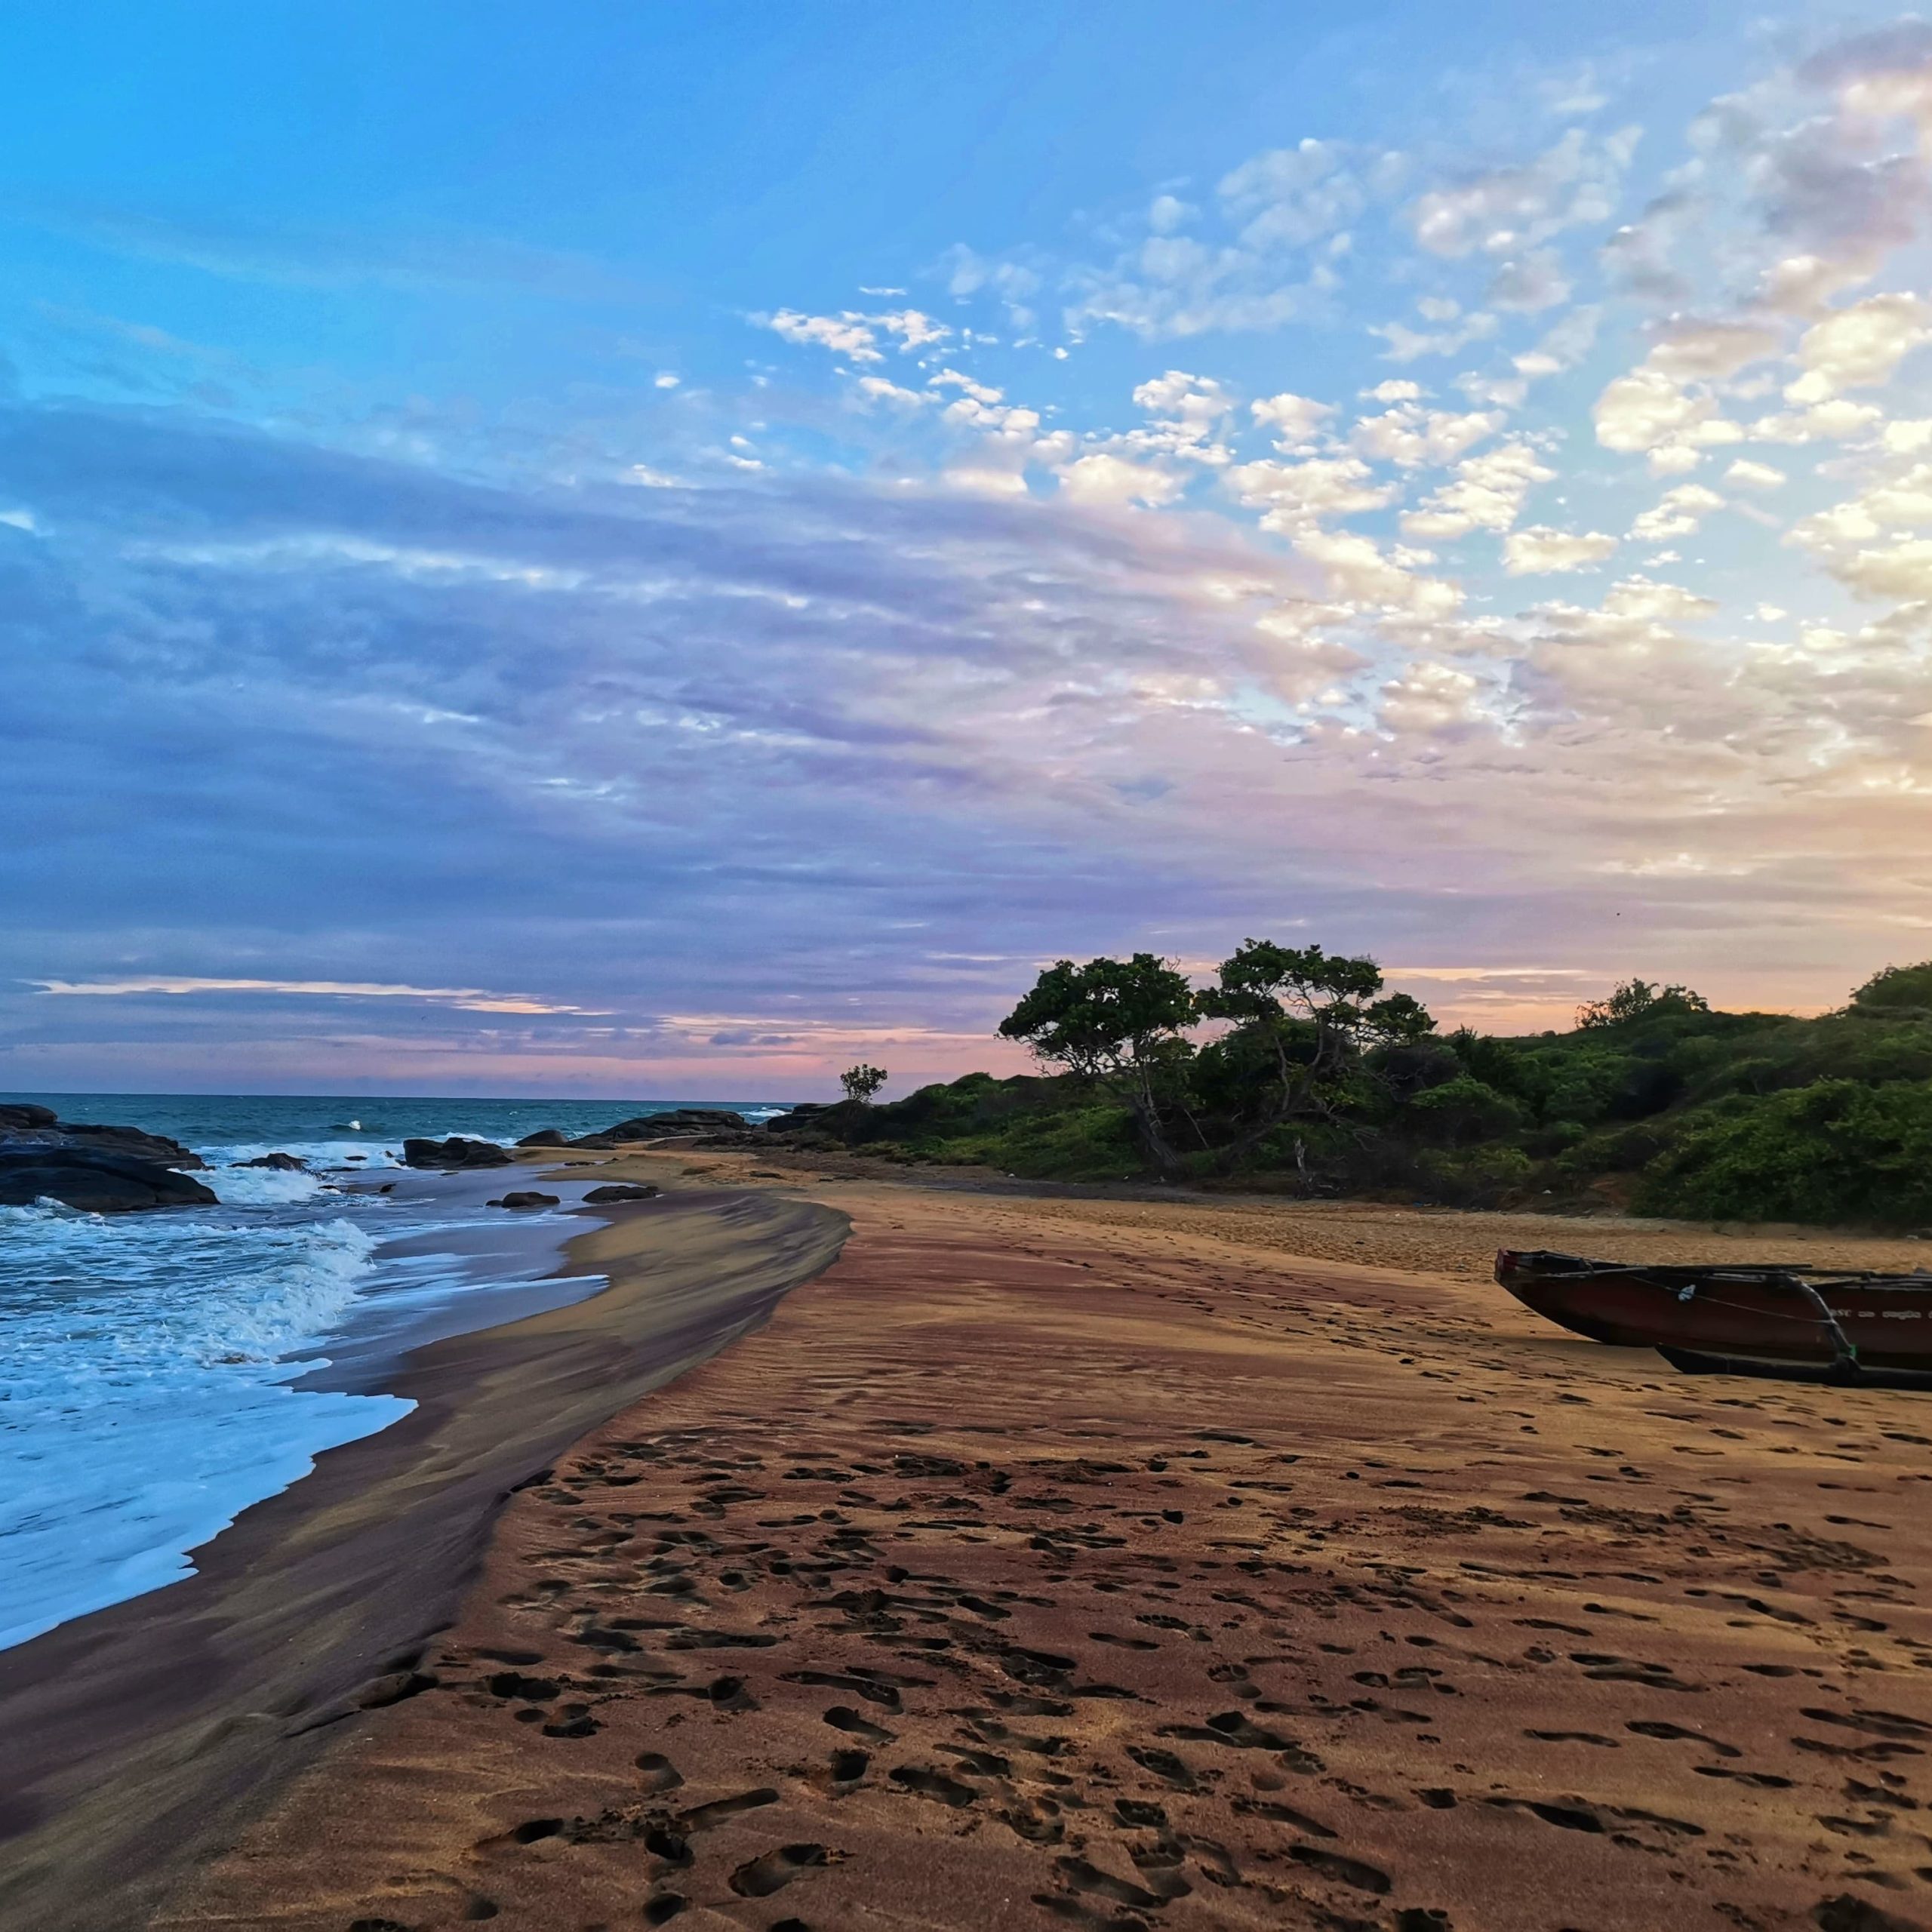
(1292, 1068)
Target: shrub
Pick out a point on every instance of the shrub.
(1837, 1151)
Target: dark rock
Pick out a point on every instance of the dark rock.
(454, 1152)
(677, 1120)
(544, 1137)
(101, 1182)
(602, 1142)
(133, 1142)
(526, 1197)
(599, 1197)
(23, 1126)
(803, 1116)
(283, 1163)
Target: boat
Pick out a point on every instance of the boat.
(1788, 1320)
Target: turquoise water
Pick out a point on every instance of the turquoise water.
(159, 1373)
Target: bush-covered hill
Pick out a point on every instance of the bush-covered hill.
(1297, 1076)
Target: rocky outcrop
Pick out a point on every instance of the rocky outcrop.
(525, 1197)
(677, 1120)
(544, 1137)
(99, 1181)
(455, 1153)
(613, 1191)
(283, 1163)
(23, 1125)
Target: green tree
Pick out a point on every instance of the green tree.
(1119, 1023)
(1310, 1014)
(1899, 992)
(861, 1082)
(1638, 999)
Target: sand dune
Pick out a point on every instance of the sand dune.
(1051, 1563)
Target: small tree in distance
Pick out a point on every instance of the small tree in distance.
(1638, 999)
(861, 1082)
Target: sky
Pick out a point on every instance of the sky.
(659, 551)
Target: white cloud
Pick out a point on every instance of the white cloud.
(1297, 420)
(1357, 570)
(1756, 475)
(1857, 347)
(1411, 437)
(1676, 513)
(1104, 479)
(470, 999)
(1540, 549)
(1507, 209)
(1297, 494)
(1408, 345)
(1488, 494)
(877, 389)
(1640, 600)
(913, 329)
(845, 335)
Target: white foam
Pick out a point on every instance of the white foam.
(145, 1363)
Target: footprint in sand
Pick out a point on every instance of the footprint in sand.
(759, 1878)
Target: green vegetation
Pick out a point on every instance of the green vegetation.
(1293, 1070)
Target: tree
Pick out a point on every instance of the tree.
(1899, 992)
(861, 1082)
(1118, 1024)
(1309, 1013)
(1637, 999)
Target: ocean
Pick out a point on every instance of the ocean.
(159, 1373)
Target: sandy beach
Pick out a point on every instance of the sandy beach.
(1114, 1563)
(134, 1741)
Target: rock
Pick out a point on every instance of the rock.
(601, 1141)
(283, 1163)
(677, 1120)
(526, 1197)
(25, 1126)
(456, 1151)
(599, 1197)
(544, 1137)
(99, 1181)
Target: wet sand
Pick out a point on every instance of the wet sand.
(1108, 1564)
(134, 1742)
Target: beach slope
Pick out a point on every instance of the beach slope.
(134, 1741)
(1105, 1565)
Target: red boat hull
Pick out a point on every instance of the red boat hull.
(1888, 1322)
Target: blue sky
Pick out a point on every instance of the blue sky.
(657, 550)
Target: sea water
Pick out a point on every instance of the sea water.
(161, 1372)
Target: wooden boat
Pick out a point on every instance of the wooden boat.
(1785, 1319)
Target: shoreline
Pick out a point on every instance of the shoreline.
(1065, 1557)
(136, 1738)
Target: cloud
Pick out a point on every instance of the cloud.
(468, 999)
(1411, 437)
(1486, 492)
(846, 334)
(1502, 211)
(1858, 347)
(1541, 549)
(1676, 513)
(1102, 479)
(1296, 420)
(1297, 494)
